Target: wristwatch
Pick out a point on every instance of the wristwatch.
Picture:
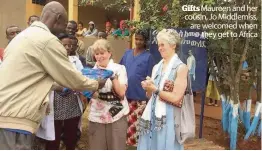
(114, 77)
(157, 91)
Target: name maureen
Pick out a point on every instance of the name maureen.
(206, 8)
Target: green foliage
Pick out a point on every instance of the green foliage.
(121, 5)
(156, 14)
(231, 52)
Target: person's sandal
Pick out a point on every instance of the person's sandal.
(210, 104)
(216, 105)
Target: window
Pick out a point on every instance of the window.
(39, 2)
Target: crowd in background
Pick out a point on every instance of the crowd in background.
(49, 60)
(114, 29)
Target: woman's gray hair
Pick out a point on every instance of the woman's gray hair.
(170, 36)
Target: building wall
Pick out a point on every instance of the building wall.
(32, 9)
(12, 12)
(119, 45)
(98, 15)
(64, 3)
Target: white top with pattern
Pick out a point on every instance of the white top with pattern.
(99, 110)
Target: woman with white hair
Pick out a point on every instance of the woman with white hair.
(166, 89)
(107, 118)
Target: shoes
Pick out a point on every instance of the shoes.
(210, 104)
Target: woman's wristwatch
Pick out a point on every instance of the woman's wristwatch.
(157, 91)
(113, 77)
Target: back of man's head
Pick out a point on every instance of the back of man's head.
(32, 19)
(54, 16)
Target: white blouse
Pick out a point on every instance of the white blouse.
(99, 110)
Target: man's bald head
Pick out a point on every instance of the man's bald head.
(54, 16)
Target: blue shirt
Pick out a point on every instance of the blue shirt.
(18, 131)
(137, 68)
(244, 65)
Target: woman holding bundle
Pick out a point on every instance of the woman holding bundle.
(107, 117)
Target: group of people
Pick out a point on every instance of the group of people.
(41, 84)
(115, 29)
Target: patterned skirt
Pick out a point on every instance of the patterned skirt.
(136, 110)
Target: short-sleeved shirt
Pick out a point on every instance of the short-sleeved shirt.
(138, 68)
(99, 109)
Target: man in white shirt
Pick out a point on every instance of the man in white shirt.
(191, 64)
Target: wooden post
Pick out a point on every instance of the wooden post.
(136, 17)
(73, 10)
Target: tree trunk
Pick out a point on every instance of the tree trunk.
(259, 86)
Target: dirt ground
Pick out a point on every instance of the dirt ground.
(212, 131)
(213, 137)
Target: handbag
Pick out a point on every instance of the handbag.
(185, 116)
(184, 111)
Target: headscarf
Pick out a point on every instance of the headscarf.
(92, 23)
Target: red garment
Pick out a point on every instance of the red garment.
(136, 110)
(1, 53)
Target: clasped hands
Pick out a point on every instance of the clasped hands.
(148, 85)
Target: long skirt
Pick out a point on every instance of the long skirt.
(136, 110)
(212, 91)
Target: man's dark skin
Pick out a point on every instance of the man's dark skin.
(91, 27)
(11, 32)
(54, 16)
(32, 19)
(71, 28)
(115, 24)
(74, 47)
